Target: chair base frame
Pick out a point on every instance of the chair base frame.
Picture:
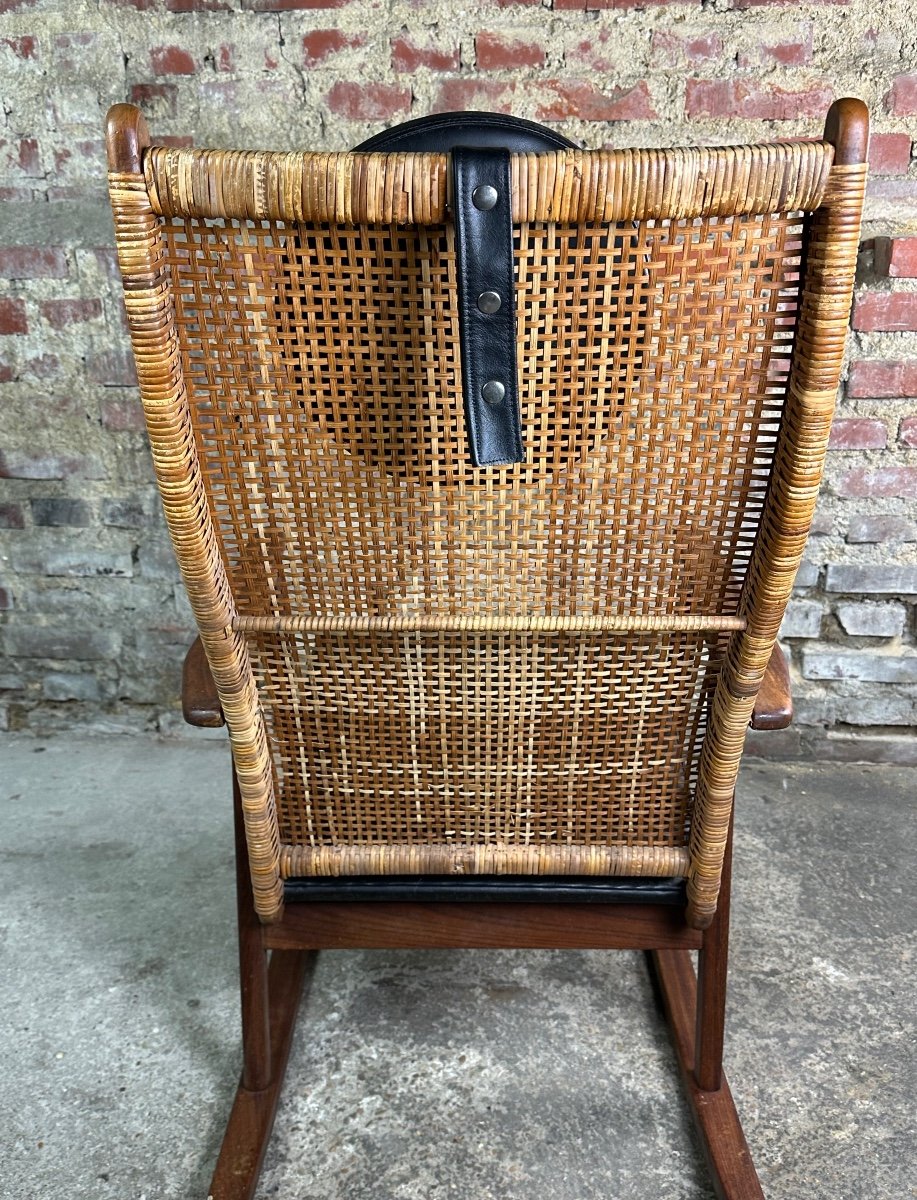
(276, 961)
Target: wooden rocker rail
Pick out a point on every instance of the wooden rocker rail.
(276, 962)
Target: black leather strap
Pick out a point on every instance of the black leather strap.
(481, 144)
(482, 208)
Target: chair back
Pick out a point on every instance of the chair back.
(543, 667)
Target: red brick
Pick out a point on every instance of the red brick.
(29, 158)
(746, 98)
(186, 6)
(455, 95)
(591, 54)
(792, 52)
(322, 43)
(894, 191)
(290, 5)
(106, 259)
(171, 60)
(22, 47)
(897, 257)
(878, 379)
(901, 99)
(15, 195)
(112, 368)
(220, 94)
(7, 374)
(881, 527)
(71, 50)
(598, 5)
(496, 53)
(22, 155)
(156, 99)
(739, 4)
(42, 366)
(121, 416)
(368, 101)
(11, 6)
(224, 59)
(11, 516)
(12, 317)
(671, 49)
(42, 464)
(886, 311)
(408, 56)
(60, 313)
(907, 433)
(858, 433)
(885, 481)
(33, 262)
(576, 98)
(889, 153)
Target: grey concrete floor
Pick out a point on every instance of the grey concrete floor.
(432, 1076)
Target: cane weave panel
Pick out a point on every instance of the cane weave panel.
(322, 365)
(514, 739)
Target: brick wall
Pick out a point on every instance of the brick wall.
(95, 619)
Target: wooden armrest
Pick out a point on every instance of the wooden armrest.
(774, 705)
(200, 704)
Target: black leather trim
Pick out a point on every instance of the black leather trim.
(442, 131)
(484, 263)
(520, 889)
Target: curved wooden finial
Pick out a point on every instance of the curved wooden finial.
(847, 129)
(126, 137)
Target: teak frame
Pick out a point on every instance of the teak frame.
(275, 958)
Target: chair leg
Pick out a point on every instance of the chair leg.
(712, 969)
(696, 1011)
(270, 997)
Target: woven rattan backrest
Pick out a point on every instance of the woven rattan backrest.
(428, 666)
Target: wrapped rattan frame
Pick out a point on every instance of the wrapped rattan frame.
(825, 179)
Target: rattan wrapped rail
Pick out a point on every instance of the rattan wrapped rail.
(430, 667)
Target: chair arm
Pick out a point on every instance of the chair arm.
(200, 704)
(774, 704)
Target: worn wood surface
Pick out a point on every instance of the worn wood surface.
(774, 702)
(465, 926)
(715, 1117)
(253, 1112)
(200, 704)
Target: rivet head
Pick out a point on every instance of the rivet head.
(484, 197)
(493, 391)
(489, 302)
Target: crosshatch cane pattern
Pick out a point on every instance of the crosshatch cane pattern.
(640, 416)
(322, 367)
(579, 755)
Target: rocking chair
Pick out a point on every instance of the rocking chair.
(489, 464)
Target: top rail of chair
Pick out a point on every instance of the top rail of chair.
(568, 185)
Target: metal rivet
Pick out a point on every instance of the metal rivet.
(493, 391)
(484, 197)
(489, 302)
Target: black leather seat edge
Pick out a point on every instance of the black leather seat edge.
(519, 889)
(441, 132)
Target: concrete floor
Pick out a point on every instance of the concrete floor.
(432, 1076)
